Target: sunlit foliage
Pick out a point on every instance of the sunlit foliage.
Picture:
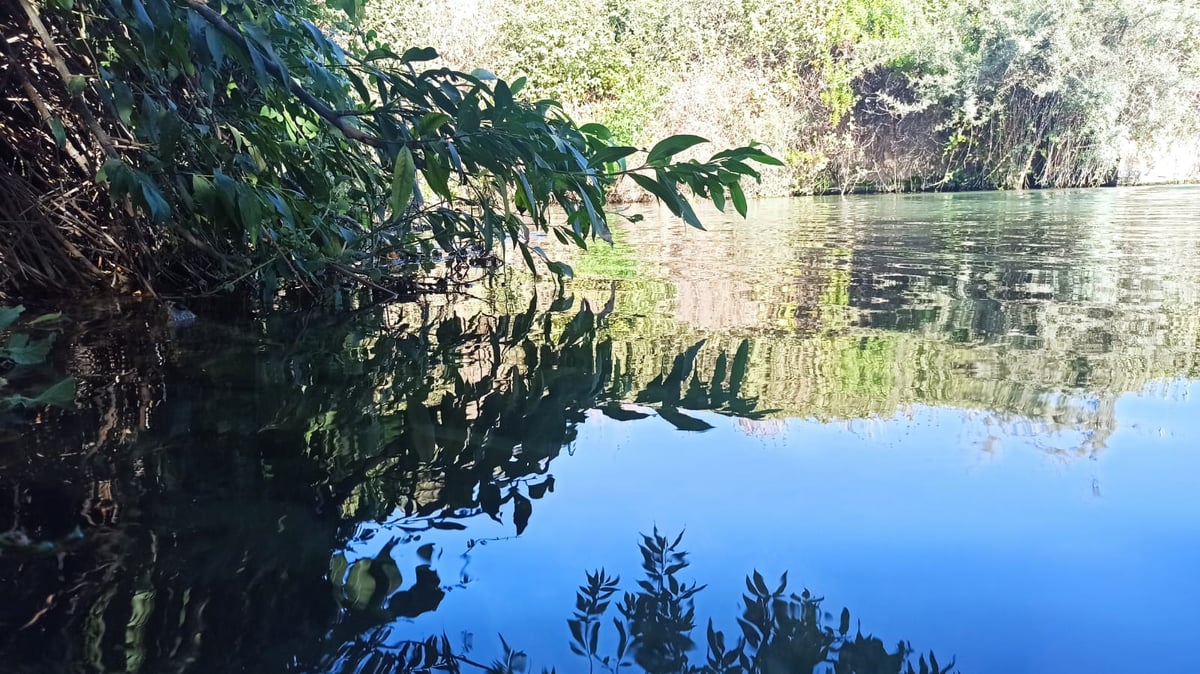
(861, 94)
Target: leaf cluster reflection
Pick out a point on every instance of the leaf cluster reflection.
(193, 493)
(650, 629)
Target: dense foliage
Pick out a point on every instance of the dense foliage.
(236, 140)
(859, 94)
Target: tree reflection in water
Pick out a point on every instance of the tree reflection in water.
(649, 628)
(214, 486)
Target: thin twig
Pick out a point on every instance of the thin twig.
(362, 278)
(243, 277)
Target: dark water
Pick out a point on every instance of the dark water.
(971, 419)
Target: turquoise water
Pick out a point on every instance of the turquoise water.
(970, 419)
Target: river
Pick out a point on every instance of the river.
(971, 419)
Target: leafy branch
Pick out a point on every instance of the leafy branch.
(255, 137)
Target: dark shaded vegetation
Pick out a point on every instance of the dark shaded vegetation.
(191, 514)
(190, 493)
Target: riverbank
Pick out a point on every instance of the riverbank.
(890, 94)
(308, 176)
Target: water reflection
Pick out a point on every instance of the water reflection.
(651, 626)
(214, 487)
(311, 490)
(1038, 308)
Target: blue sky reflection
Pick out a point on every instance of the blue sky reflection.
(1011, 557)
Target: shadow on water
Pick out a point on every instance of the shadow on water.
(187, 514)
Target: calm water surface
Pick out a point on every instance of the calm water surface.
(971, 419)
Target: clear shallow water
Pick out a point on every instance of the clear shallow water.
(968, 418)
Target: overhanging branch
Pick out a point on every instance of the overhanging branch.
(336, 120)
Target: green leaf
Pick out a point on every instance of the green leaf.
(598, 130)
(360, 87)
(381, 53)
(503, 96)
(664, 194)
(716, 192)
(530, 202)
(257, 36)
(418, 54)
(738, 197)
(560, 269)
(739, 167)
(437, 174)
(23, 351)
(260, 67)
(117, 175)
(60, 134)
(764, 158)
(123, 99)
(139, 10)
(61, 394)
(431, 122)
(169, 127)
(205, 195)
(524, 248)
(159, 209)
(688, 215)
(404, 180)
(610, 155)
(9, 315)
(250, 211)
(750, 152)
(352, 8)
(599, 226)
(216, 45)
(671, 146)
(44, 318)
(469, 114)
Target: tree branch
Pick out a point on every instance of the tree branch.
(313, 103)
(56, 57)
(43, 111)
